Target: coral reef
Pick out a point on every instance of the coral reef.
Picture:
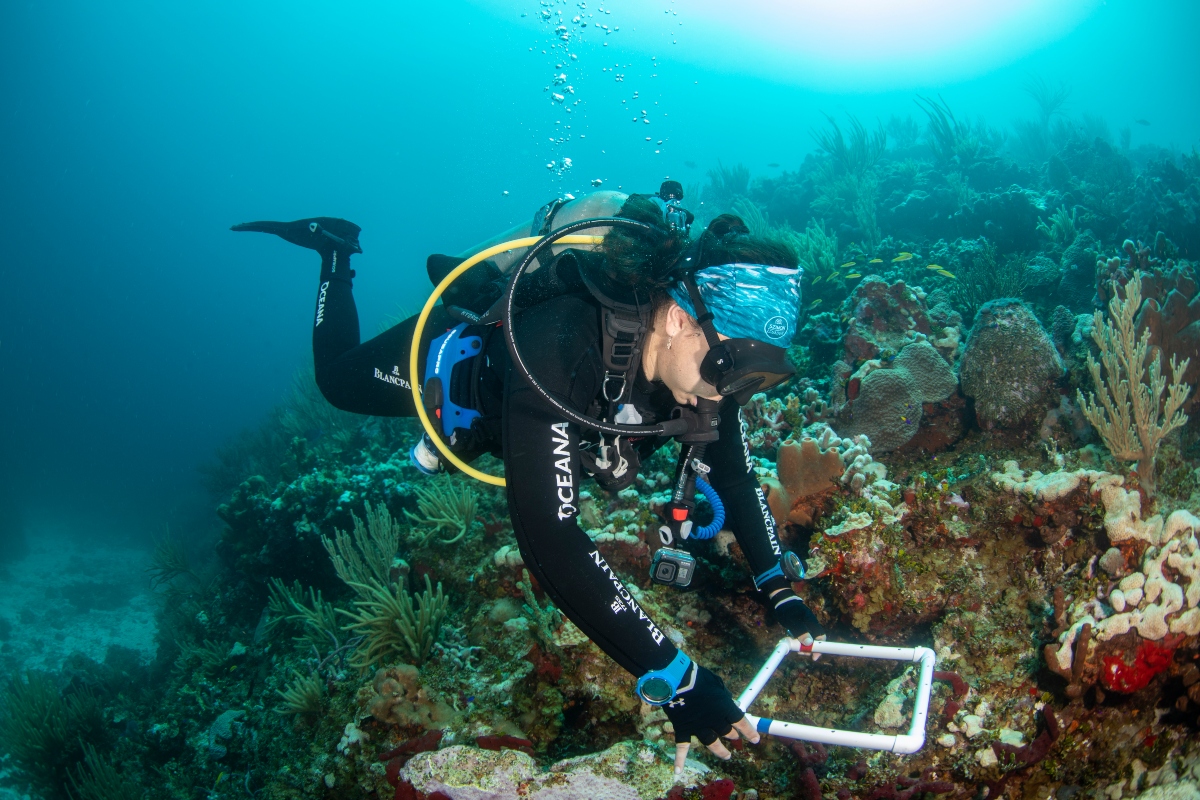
(890, 399)
(1060, 592)
(883, 318)
(1133, 417)
(390, 626)
(805, 469)
(1008, 363)
(625, 770)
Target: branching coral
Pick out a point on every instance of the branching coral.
(857, 156)
(314, 616)
(368, 554)
(1132, 416)
(391, 627)
(208, 656)
(304, 695)
(817, 249)
(947, 136)
(42, 730)
(982, 276)
(451, 506)
(97, 779)
(726, 184)
(1061, 230)
(169, 561)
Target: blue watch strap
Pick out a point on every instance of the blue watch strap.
(658, 687)
(774, 572)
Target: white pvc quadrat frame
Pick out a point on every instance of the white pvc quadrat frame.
(910, 742)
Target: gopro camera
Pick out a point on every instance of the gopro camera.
(672, 567)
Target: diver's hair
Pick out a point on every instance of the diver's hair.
(727, 240)
(653, 263)
(642, 261)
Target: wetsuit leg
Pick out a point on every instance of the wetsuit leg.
(371, 377)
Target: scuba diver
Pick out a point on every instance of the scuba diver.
(603, 353)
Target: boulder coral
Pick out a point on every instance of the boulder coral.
(889, 403)
(1008, 364)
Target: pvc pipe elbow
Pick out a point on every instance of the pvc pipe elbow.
(908, 743)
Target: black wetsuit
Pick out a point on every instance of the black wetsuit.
(559, 339)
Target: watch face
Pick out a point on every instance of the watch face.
(656, 691)
(792, 566)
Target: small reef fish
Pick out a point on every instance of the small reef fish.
(875, 261)
(947, 274)
(847, 264)
(815, 303)
(902, 257)
(817, 280)
(935, 266)
(853, 275)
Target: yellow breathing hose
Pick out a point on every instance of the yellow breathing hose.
(415, 348)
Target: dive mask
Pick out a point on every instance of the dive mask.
(739, 368)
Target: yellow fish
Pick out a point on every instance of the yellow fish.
(875, 261)
(935, 266)
(853, 275)
(817, 280)
(946, 273)
(902, 257)
(815, 303)
(847, 264)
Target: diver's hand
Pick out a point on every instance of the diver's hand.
(704, 708)
(794, 614)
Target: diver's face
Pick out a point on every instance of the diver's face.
(678, 366)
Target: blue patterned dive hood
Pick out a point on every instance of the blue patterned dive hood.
(750, 301)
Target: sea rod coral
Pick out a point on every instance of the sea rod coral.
(1132, 417)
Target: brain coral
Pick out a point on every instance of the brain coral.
(888, 406)
(1008, 363)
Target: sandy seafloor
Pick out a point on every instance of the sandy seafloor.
(68, 595)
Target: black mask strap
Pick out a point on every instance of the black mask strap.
(703, 315)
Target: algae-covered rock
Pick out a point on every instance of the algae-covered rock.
(1008, 363)
(883, 317)
(625, 771)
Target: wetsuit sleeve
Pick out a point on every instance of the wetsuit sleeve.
(371, 377)
(746, 511)
(541, 461)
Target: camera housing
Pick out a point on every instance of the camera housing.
(671, 567)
